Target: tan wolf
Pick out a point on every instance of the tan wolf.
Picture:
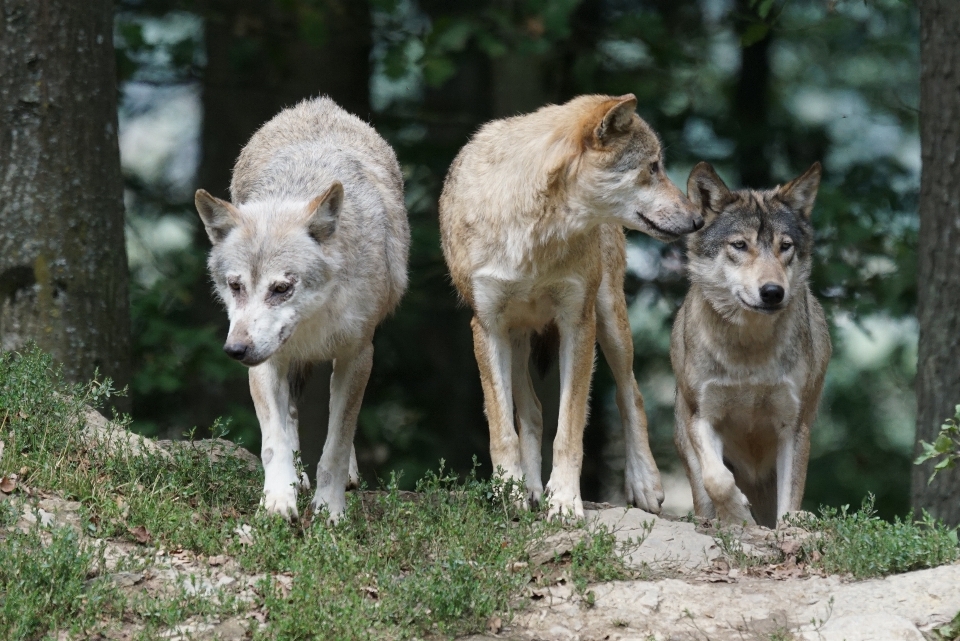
(531, 219)
(750, 347)
(308, 258)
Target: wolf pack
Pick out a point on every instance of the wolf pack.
(310, 255)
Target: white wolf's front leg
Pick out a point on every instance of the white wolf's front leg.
(577, 342)
(641, 476)
(347, 384)
(529, 416)
(278, 426)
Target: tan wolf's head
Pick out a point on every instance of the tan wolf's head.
(755, 251)
(270, 265)
(617, 170)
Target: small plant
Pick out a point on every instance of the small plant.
(864, 545)
(946, 447)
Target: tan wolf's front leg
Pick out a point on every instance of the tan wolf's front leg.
(730, 503)
(280, 441)
(577, 342)
(347, 384)
(793, 452)
(529, 416)
(492, 349)
(641, 476)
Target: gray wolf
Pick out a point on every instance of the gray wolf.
(531, 219)
(749, 348)
(308, 258)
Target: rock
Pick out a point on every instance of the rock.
(667, 545)
(556, 546)
(862, 627)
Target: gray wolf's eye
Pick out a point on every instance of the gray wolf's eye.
(280, 288)
(654, 167)
(739, 245)
(786, 245)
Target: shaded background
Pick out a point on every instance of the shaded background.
(760, 88)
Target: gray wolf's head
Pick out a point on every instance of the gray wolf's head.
(755, 250)
(619, 170)
(270, 265)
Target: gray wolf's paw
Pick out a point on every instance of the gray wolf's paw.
(282, 502)
(565, 503)
(643, 488)
(331, 500)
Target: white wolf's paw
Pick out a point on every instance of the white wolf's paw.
(331, 500)
(304, 482)
(282, 502)
(643, 488)
(353, 473)
(565, 504)
(534, 495)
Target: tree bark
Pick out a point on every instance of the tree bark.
(938, 300)
(63, 264)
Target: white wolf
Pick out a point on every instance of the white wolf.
(310, 256)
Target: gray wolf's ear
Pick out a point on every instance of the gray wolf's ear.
(707, 191)
(799, 194)
(616, 116)
(218, 216)
(324, 212)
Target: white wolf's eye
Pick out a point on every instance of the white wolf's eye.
(280, 288)
(739, 244)
(234, 285)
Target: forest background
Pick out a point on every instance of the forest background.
(760, 88)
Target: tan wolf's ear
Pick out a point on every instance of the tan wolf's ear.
(218, 216)
(799, 194)
(707, 191)
(616, 116)
(324, 212)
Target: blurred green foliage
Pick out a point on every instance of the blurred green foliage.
(760, 88)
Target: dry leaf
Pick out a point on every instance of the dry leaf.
(495, 624)
(8, 484)
(791, 547)
(371, 591)
(219, 559)
(141, 534)
(285, 581)
(1, 449)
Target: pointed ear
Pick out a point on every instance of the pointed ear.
(615, 117)
(800, 193)
(324, 212)
(218, 216)
(707, 191)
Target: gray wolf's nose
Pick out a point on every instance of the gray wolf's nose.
(698, 222)
(235, 350)
(771, 294)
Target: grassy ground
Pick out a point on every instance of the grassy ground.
(440, 562)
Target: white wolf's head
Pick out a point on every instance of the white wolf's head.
(271, 264)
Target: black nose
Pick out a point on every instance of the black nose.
(235, 350)
(771, 294)
(698, 222)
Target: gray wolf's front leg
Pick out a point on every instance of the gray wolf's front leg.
(641, 476)
(730, 503)
(278, 426)
(577, 340)
(347, 384)
(793, 452)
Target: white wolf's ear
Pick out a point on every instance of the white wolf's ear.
(616, 117)
(218, 216)
(324, 212)
(800, 193)
(707, 191)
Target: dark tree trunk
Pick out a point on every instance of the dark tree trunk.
(751, 111)
(63, 264)
(938, 300)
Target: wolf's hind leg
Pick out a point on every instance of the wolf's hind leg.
(641, 476)
(347, 384)
(271, 398)
(492, 349)
(529, 416)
